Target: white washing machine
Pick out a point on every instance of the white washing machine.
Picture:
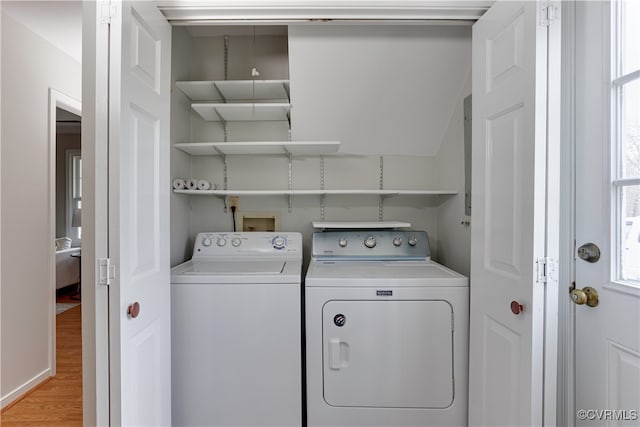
(236, 334)
(386, 332)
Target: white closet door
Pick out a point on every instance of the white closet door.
(140, 362)
(508, 225)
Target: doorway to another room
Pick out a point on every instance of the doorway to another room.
(68, 231)
(58, 400)
(68, 178)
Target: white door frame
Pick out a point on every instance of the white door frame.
(95, 77)
(566, 318)
(95, 297)
(56, 100)
(248, 12)
(0, 138)
(554, 224)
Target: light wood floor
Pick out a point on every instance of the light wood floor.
(57, 402)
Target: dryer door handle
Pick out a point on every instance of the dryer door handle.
(338, 354)
(334, 353)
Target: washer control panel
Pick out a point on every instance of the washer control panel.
(371, 245)
(214, 243)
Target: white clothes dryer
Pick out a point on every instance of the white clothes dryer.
(386, 332)
(236, 334)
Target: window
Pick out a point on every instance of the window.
(625, 134)
(74, 196)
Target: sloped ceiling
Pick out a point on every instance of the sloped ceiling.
(377, 89)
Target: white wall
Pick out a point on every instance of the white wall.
(380, 89)
(30, 67)
(249, 172)
(454, 238)
(1, 188)
(408, 163)
(180, 164)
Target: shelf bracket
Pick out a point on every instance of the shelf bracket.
(226, 57)
(215, 85)
(322, 199)
(290, 178)
(225, 178)
(225, 182)
(380, 197)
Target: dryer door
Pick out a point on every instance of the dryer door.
(393, 354)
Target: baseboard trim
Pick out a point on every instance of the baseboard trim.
(25, 389)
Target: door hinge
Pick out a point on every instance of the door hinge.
(106, 271)
(106, 12)
(548, 13)
(546, 270)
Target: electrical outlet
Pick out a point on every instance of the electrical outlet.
(234, 202)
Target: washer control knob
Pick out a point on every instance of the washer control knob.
(236, 242)
(343, 242)
(397, 241)
(370, 242)
(413, 240)
(221, 241)
(206, 242)
(279, 242)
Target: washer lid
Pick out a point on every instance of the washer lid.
(237, 271)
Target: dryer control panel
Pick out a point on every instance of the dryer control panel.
(371, 245)
(258, 243)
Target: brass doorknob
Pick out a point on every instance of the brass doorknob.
(586, 295)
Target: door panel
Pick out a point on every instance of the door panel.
(144, 347)
(139, 103)
(145, 53)
(388, 354)
(144, 197)
(501, 405)
(504, 140)
(607, 336)
(508, 224)
(505, 53)
(624, 376)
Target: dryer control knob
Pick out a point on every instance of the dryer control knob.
(279, 242)
(370, 242)
(221, 241)
(236, 242)
(343, 242)
(397, 241)
(206, 242)
(413, 241)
